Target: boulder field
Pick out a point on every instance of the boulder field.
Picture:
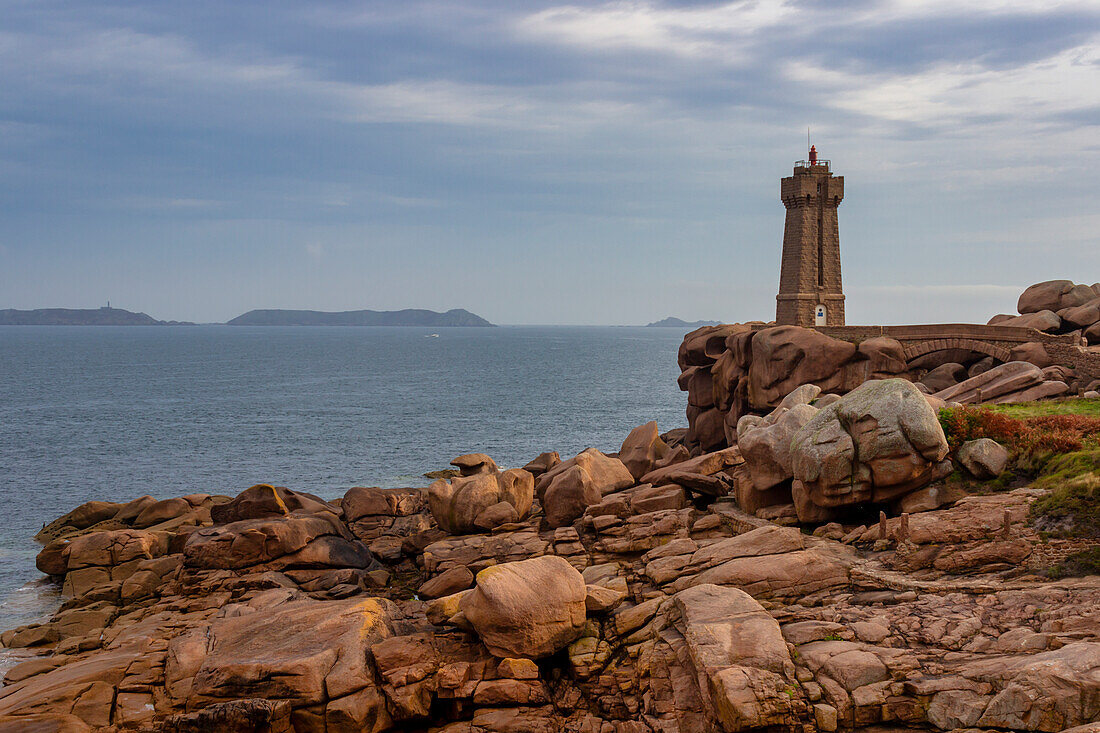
(1058, 306)
(811, 554)
(643, 591)
(735, 370)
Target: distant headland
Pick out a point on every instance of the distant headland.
(108, 316)
(407, 317)
(671, 322)
(105, 316)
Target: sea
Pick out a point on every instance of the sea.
(113, 413)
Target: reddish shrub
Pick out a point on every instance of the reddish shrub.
(1033, 436)
(1085, 426)
(970, 423)
(1036, 440)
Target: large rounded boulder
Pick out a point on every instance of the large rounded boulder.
(885, 356)
(785, 357)
(1043, 320)
(532, 608)
(983, 458)
(1044, 296)
(944, 376)
(471, 464)
(574, 485)
(482, 498)
(880, 441)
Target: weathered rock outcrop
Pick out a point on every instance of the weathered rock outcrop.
(1015, 381)
(307, 652)
(643, 450)
(786, 357)
(733, 370)
(877, 443)
(944, 376)
(663, 608)
(482, 497)
(99, 557)
(532, 608)
(572, 486)
(1041, 321)
(766, 445)
(142, 513)
(1059, 306)
(264, 500)
(758, 368)
(301, 541)
(743, 669)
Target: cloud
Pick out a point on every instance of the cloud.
(134, 68)
(637, 142)
(949, 94)
(690, 31)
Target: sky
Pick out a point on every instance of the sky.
(541, 162)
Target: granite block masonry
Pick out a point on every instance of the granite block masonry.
(810, 290)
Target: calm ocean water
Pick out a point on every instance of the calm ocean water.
(116, 412)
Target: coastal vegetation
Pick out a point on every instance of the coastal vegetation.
(1055, 447)
(1031, 437)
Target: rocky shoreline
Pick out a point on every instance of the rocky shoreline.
(844, 553)
(660, 606)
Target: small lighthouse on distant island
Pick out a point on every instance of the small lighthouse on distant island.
(810, 290)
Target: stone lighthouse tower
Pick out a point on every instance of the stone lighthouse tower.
(810, 292)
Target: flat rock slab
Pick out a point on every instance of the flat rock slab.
(304, 651)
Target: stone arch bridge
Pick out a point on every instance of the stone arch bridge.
(995, 341)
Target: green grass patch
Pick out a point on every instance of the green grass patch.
(1063, 469)
(1072, 509)
(1074, 406)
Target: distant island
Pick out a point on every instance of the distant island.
(407, 317)
(108, 316)
(677, 323)
(105, 316)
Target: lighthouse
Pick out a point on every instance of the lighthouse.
(810, 290)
